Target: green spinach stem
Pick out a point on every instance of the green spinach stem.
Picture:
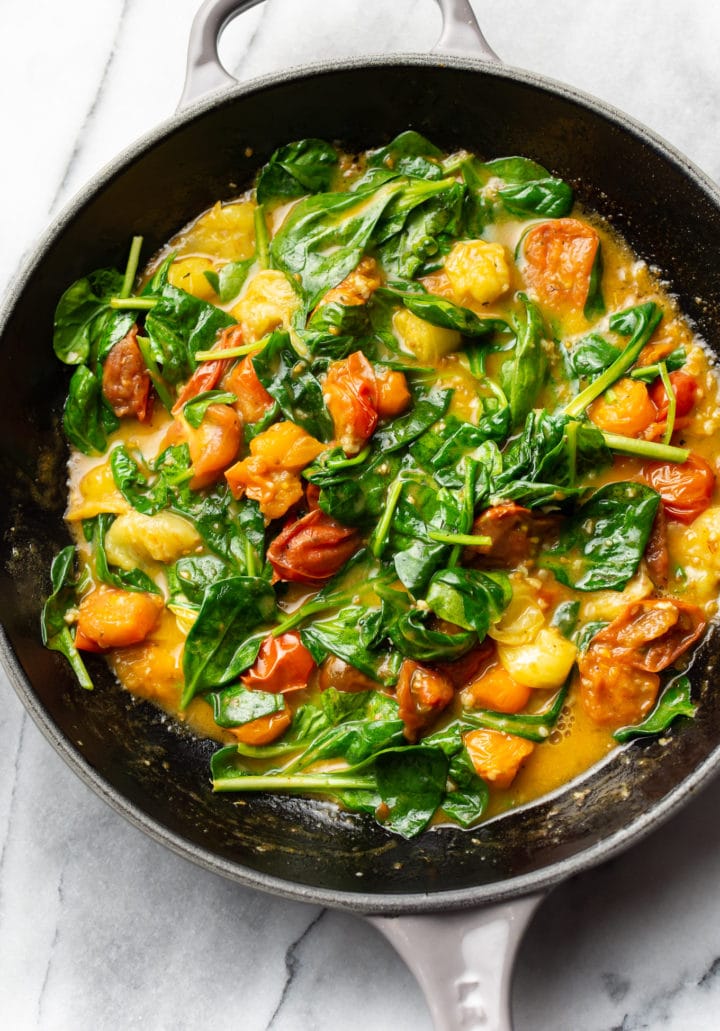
(131, 267)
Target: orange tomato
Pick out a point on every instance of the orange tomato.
(559, 257)
(253, 400)
(497, 756)
(393, 396)
(213, 445)
(113, 618)
(686, 488)
(497, 690)
(270, 474)
(625, 408)
(283, 664)
(265, 729)
(350, 393)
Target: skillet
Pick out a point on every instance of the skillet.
(465, 102)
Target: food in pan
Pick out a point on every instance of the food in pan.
(396, 477)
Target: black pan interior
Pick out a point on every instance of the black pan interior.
(669, 216)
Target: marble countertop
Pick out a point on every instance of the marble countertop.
(100, 927)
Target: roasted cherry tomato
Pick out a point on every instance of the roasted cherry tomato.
(651, 634)
(497, 756)
(265, 729)
(214, 445)
(125, 380)
(253, 400)
(625, 408)
(685, 389)
(283, 664)
(559, 257)
(393, 395)
(350, 392)
(422, 695)
(613, 693)
(496, 690)
(208, 374)
(113, 618)
(312, 549)
(686, 488)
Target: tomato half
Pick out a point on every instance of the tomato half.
(283, 664)
(686, 488)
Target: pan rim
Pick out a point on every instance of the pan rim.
(367, 903)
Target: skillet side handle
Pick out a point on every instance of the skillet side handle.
(205, 73)
(461, 35)
(464, 961)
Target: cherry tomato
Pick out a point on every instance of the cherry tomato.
(497, 756)
(559, 257)
(337, 673)
(393, 396)
(208, 374)
(112, 618)
(283, 664)
(350, 392)
(686, 488)
(496, 690)
(253, 400)
(214, 445)
(265, 729)
(651, 634)
(125, 380)
(422, 695)
(312, 549)
(685, 389)
(625, 408)
(613, 693)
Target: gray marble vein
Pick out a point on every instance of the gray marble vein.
(101, 929)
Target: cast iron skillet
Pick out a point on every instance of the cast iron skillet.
(155, 774)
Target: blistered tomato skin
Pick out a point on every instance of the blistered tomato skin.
(422, 695)
(559, 257)
(686, 488)
(312, 549)
(283, 664)
(351, 395)
(125, 380)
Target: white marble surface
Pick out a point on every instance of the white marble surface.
(102, 929)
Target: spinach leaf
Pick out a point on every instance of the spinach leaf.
(124, 579)
(548, 197)
(523, 376)
(229, 281)
(196, 409)
(592, 355)
(410, 781)
(676, 700)
(357, 496)
(639, 323)
(323, 238)
(582, 637)
(410, 153)
(149, 490)
(217, 648)
(413, 638)
(535, 727)
(87, 417)
(236, 706)
(340, 320)
(511, 170)
(565, 618)
(178, 326)
(469, 598)
(85, 326)
(353, 740)
(468, 800)
(338, 635)
(601, 546)
(288, 379)
(595, 302)
(647, 373)
(426, 237)
(191, 576)
(440, 312)
(54, 629)
(426, 411)
(306, 166)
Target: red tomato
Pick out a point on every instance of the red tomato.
(422, 695)
(311, 549)
(208, 374)
(253, 400)
(685, 389)
(686, 488)
(350, 392)
(651, 634)
(559, 257)
(283, 664)
(126, 381)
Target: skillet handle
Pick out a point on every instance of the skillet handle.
(205, 74)
(463, 961)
